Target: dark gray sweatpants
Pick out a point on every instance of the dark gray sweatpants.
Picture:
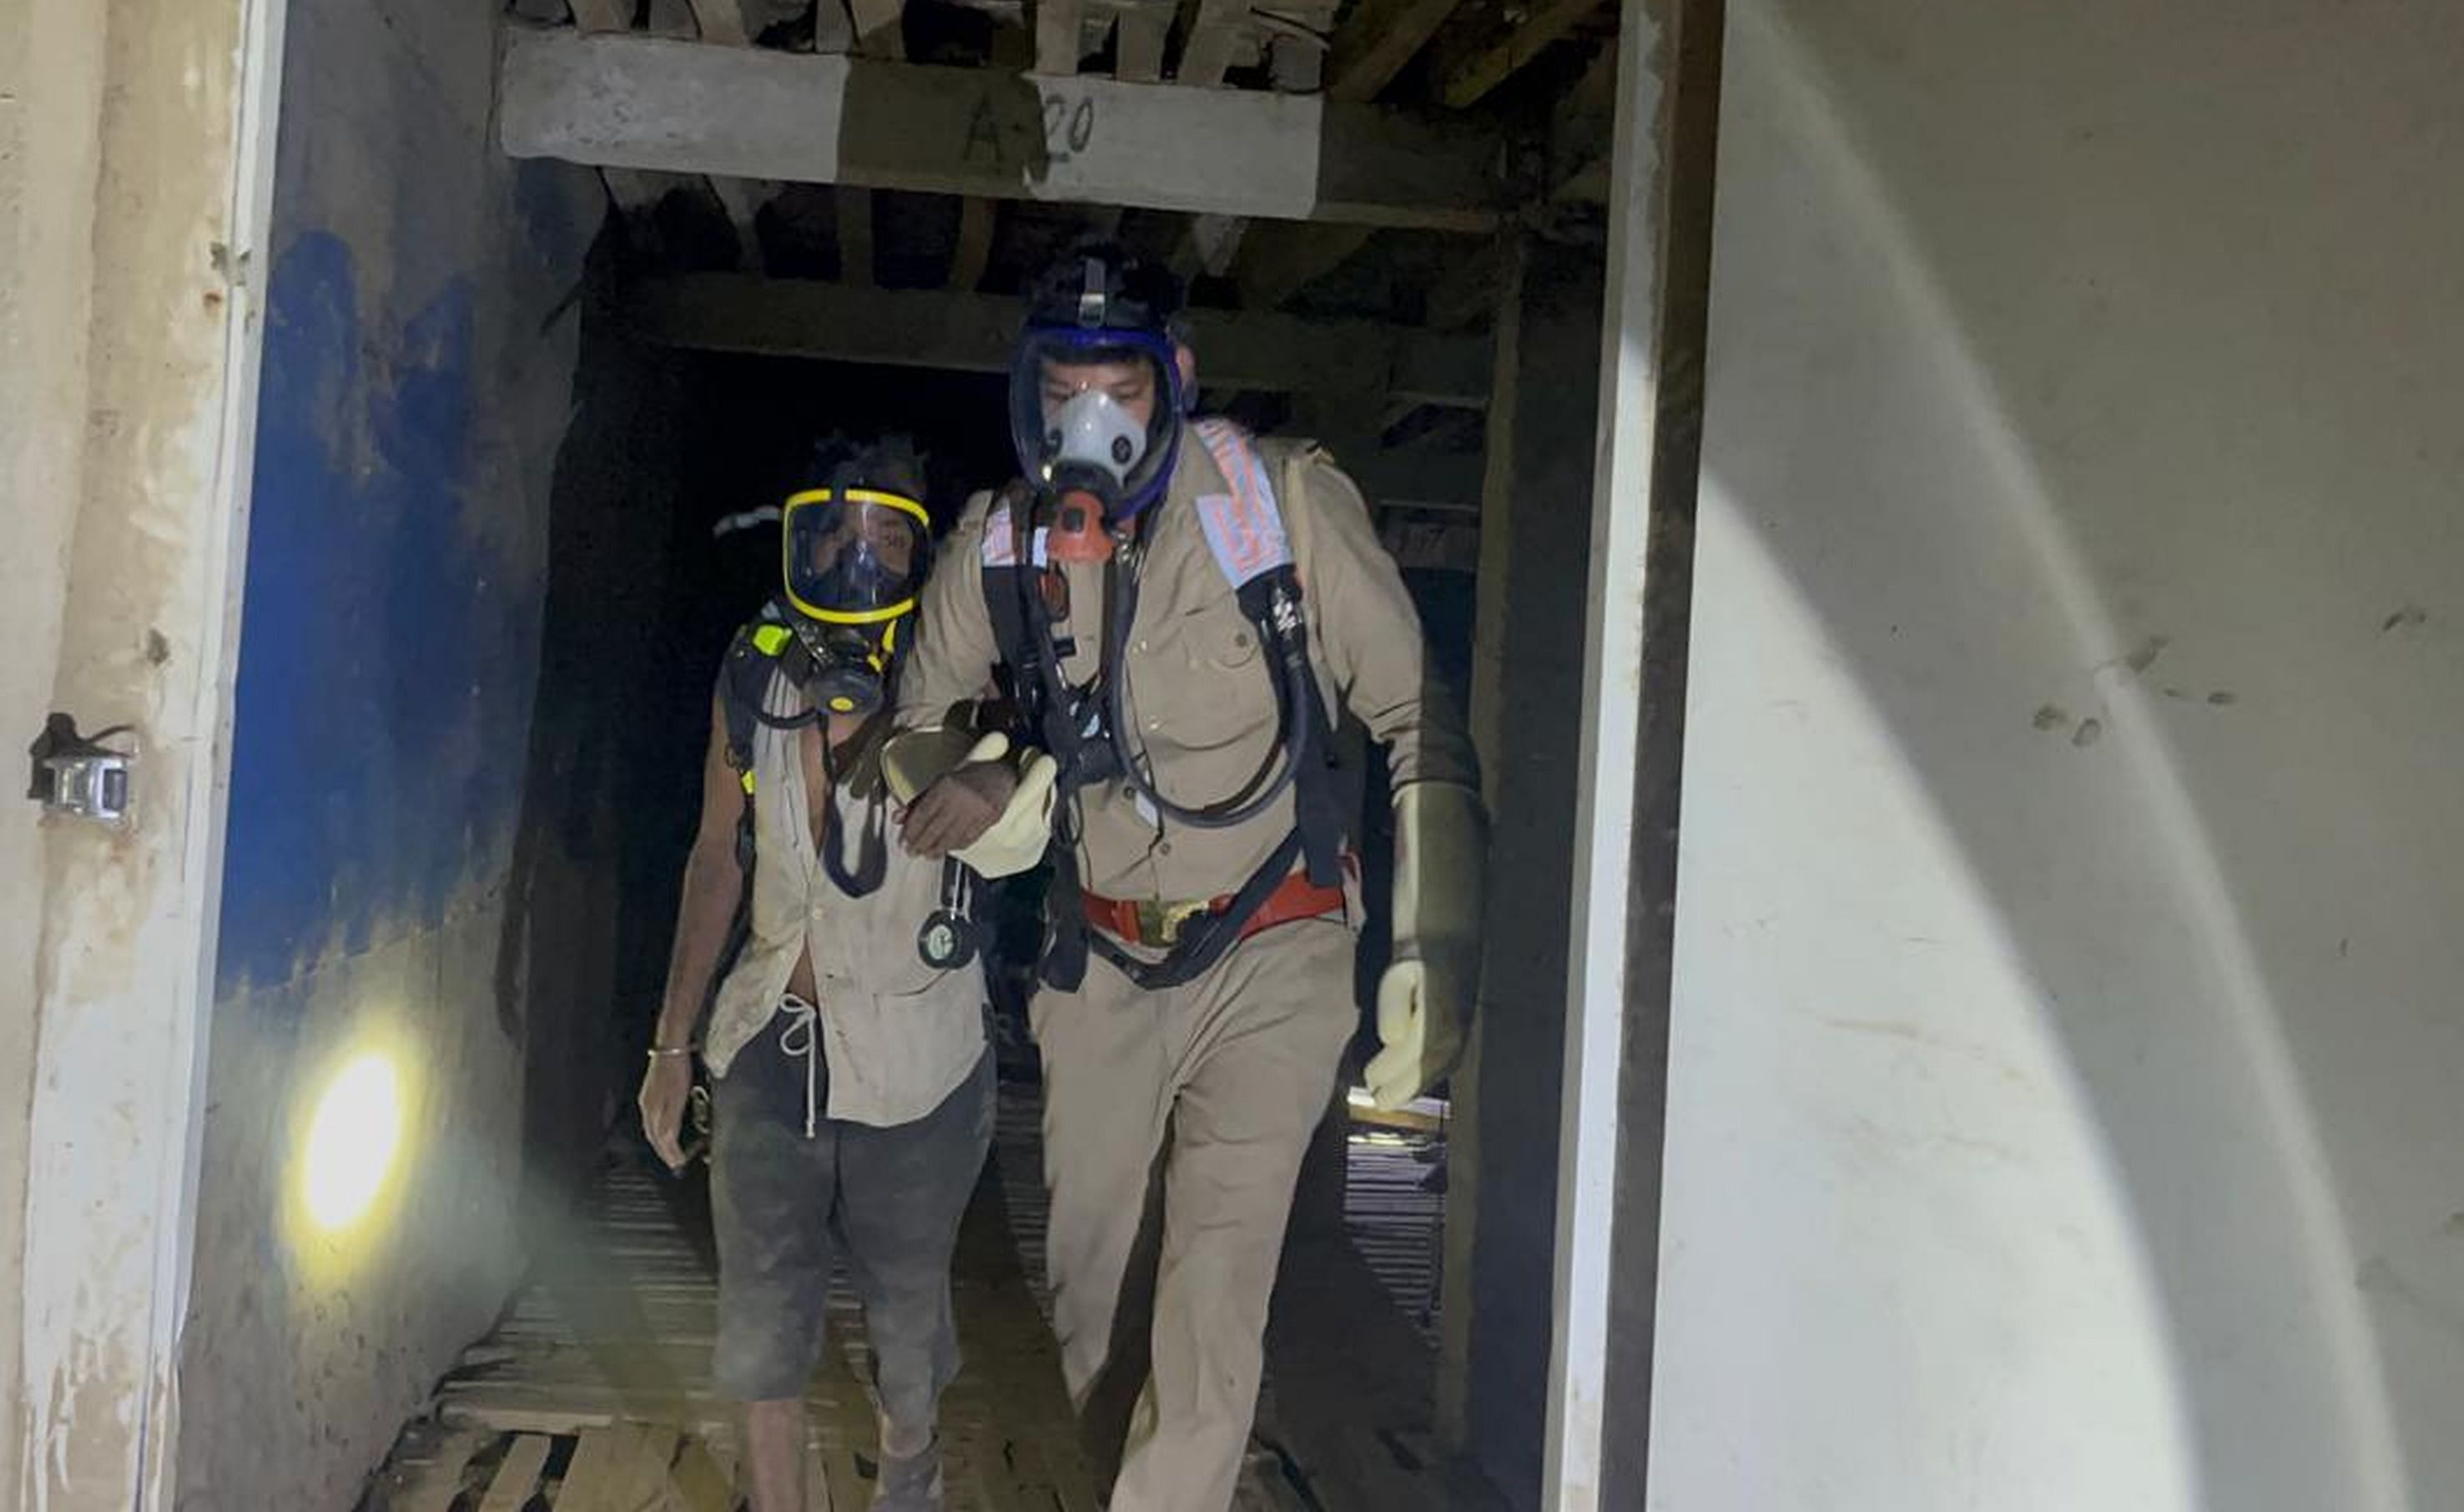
(892, 1197)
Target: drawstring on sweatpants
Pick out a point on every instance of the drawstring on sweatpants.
(800, 1035)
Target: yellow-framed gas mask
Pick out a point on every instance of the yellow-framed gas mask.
(853, 561)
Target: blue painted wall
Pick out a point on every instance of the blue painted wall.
(388, 650)
(420, 350)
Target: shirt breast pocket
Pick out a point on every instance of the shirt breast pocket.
(888, 942)
(1207, 689)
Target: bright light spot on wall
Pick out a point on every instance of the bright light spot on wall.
(352, 1142)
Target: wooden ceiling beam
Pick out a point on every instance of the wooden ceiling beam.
(1471, 78)
(940, 328)
(1378, 42)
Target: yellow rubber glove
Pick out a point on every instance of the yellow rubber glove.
(1018, 838)
(913, 758)
(1425, 997)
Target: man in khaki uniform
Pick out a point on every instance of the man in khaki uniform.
(1198, 994)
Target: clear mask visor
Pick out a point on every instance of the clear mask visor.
(855, 556)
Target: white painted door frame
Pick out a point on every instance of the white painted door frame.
(1634, 313)
(125, 989)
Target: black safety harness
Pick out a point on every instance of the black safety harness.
(1087, 729)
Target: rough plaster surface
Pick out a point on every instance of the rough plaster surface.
(303, 1354)
(2066, 1033)
(50, 78)
(121, 288)
(418, 364)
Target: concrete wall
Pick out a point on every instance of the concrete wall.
(2067, 1036)
(129, 134)
(50, 76)
(419, 355)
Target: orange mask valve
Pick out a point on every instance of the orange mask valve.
(1077, 532)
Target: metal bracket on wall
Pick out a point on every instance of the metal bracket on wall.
(78, 775)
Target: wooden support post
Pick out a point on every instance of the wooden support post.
(1059, 36)
(877, 30)
(742, 199)
(636, 191)
(833, 29)
(978, 218)
(1296, 63)
(1207, 54)
(1488, 734)
(855, 236)
(722, 21)
(1138, 42)
(603, 16)
(673, 18)
(1209, 245)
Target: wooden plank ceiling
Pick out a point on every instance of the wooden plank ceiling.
(1530, 77)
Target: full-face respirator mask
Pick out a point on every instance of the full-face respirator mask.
(1096, 402)
(853, 562)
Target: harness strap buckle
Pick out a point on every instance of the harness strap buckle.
(1160, 922)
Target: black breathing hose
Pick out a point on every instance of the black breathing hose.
(1297, 745)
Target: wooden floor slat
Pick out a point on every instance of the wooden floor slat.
(617, 1329)
(435, 1480)
(701, 1482)
(518, 1477)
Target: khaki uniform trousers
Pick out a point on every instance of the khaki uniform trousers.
(1173, 1124)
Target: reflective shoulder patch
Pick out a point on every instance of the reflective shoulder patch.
(1001, 540)
(1244, 528)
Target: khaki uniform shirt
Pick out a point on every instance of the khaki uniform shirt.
(897, 1035)
(1200, 694)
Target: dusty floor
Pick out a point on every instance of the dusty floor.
(593, 1393)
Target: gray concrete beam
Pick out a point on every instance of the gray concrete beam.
(641, 103)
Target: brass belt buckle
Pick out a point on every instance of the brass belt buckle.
(1159, 923)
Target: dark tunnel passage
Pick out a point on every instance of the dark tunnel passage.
(644, 592)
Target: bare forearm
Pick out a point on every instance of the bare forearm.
(711, 884)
